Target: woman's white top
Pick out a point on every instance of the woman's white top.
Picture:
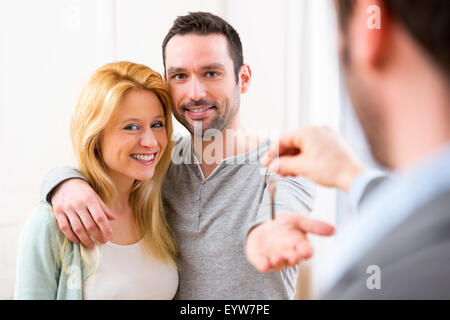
(126, 272)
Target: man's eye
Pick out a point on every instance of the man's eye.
(179, 77)
(132, 127)
(157, 124)
(211, 74)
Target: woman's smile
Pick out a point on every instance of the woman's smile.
(146, 159)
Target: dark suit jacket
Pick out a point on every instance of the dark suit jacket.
(414, 259)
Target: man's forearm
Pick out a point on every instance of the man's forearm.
(55, 177)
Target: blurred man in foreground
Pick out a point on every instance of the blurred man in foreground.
(397, 73)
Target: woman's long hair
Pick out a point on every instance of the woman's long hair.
(97, 105)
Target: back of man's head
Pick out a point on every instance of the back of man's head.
(396, 60)
(427, 21)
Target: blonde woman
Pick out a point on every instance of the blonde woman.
(120, 130)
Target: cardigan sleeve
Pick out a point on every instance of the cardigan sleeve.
(38, 263)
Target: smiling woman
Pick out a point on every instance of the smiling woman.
(135, 138)
(119, 129)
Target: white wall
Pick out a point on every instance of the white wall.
(49, 48)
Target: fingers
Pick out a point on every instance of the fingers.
(90, 225)
(289, 258)
(283, 242)
(106, 210)
(280, 266)
(293, 257)
(285, 156)
(76, 222)
(314, 226)
(290, 255)
(64, 225)
(277, 262)
(260, 262)
(304, 250)
(102, 228)
(80, 212)
(79, 229)
(288, 144)
(287, 166)
(285, 254)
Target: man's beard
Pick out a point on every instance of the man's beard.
(365, 106)
(224, 116)
(219, 122)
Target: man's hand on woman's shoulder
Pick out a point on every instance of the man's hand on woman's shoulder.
(79, 211)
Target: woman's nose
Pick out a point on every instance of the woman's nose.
(148, 139)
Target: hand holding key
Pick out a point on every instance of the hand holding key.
(318, 153)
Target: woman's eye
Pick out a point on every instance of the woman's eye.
(132, 127)
(157, 124)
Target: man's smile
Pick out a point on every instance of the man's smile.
(199, 112)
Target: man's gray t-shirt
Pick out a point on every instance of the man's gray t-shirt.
(211, 218)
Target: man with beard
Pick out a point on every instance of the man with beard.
(213, 191)
(398, 80)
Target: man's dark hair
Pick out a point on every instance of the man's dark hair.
(205, 23)
(428, 22)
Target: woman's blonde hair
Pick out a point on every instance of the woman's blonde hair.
(97, 105)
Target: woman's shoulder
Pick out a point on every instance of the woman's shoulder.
(41, 223)
(43, 207)
(42, 214)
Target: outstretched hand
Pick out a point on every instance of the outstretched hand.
(282, 242)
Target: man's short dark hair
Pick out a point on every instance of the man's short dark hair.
(204, 23)
(428, 22)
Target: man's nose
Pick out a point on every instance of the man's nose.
(196, 89)
(148, 139)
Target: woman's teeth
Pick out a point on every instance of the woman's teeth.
(142, 157)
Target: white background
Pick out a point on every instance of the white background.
(49, 48)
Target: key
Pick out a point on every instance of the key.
(271, 187)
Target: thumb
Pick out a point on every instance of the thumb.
(287, 165)
(314, 226)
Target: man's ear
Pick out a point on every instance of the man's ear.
(245, 77)
(369, 30)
